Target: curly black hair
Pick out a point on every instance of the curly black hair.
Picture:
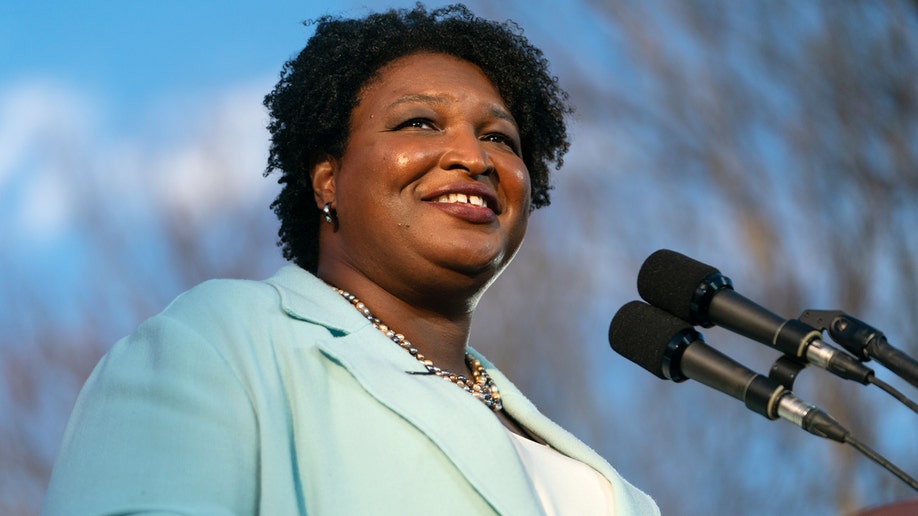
(310, 107)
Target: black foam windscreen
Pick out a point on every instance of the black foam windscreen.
(668, 280)
(642, 334)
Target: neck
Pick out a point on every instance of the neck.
(438, 326)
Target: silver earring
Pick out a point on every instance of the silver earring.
(331, 216)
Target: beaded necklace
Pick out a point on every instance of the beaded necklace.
(482, 387)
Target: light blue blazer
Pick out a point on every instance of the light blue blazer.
(279, 398)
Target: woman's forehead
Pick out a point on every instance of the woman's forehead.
(432, 78)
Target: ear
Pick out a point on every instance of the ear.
(323, 177)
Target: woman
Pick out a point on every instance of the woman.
(412, 146)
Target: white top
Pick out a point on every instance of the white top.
(565, 486)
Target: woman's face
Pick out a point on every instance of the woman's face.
(431, 184)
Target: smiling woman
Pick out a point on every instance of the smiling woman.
(412, 146)
(433, 130)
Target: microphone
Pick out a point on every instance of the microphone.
(700, 294)
(671, 349)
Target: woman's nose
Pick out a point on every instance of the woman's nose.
(466, 152)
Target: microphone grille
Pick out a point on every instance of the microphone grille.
(668, 280)
(642, 334)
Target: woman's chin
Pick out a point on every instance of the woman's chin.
(480, 272)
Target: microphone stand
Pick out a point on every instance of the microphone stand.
(863, 341)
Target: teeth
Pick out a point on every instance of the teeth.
(462, 198)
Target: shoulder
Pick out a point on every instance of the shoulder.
(242, 320)
(230, 332)
(222, 298)
(290, 294)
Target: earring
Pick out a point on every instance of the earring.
(331, 216)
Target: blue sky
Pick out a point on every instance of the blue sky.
(127, 55)
(131, 52)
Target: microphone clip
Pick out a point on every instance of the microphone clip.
(785, 370)
(854, 335)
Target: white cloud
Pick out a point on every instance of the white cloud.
(44, 207)
(28, 110)
(56, 159)
(43, 128)
(218, 166)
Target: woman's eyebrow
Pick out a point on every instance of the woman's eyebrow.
(419, 98)
(499, 112)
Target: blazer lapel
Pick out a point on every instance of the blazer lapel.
(465, 430)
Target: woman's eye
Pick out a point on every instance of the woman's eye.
(501, 138)
(416, 123)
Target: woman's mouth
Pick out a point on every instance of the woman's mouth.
(474, 208)
(461, 198)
